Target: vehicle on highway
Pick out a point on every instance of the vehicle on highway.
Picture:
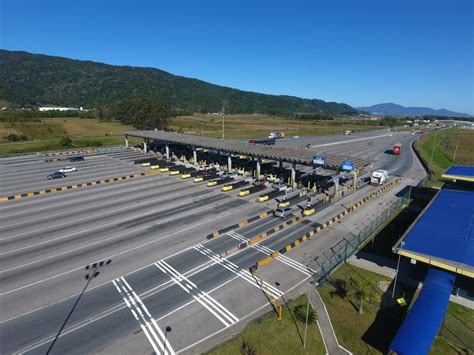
(379, 177)
(56, 175)
(262, 141)
(76, 158)
(68, 169)
(283, 212)
(397, 148)
(276, 135)
(349, 131)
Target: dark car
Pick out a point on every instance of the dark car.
(56, 175)
(77, 158)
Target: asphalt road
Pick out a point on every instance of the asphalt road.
(163, 272)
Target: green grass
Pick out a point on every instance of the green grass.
(268, 335)
(46, 134)
(373, 331)
(259, 126)
(438, 149)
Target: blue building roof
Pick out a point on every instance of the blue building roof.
(443, 235)
(459, 172)
(419, 329)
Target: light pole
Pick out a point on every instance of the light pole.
(402, 243)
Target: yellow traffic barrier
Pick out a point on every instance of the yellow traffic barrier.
(284, 204)
(211, 183)
(227, 188)
(309, 212)
(176, 172)
(164, 170)
(153, 167)
(146, 164)
(185, 176)
(244, 193)
(199, 179)
(263, 198)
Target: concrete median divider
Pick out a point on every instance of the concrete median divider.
(76, 186)
(326, 224)
(242, 223)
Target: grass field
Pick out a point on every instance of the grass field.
(259, 126)
(268, 335)
(444, 143)
(46, 135)
(372, 332)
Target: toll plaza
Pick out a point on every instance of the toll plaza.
(257, 154)
(442, 241)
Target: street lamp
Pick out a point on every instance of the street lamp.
(402, 243)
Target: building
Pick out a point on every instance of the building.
(59, 108)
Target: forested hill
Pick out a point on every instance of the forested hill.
(34, 79)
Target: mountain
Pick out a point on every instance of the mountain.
(390, 109)
(35, 79)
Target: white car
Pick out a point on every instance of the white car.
(67, 169)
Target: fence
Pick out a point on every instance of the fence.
(351, 246)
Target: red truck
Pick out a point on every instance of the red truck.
(397, 148)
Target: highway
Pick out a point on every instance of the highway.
(163, 272)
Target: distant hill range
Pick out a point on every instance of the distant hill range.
(35, 79)
(390, 109)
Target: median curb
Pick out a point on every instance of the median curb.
(75, 186)
(326, 224)
(242, 223)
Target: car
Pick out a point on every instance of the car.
(76, 158)
(56, 175)
(283, 212)
(68, 169)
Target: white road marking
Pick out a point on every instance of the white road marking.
(244, 274)
(115, 255)
(217, 309)
(148, 324)
(267, 251)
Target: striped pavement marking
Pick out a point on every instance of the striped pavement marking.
(234, 268)
(212, 305)
(140, 312)
(76, 186)
(269, 252)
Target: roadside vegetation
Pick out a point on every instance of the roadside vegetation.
(268, 335)
(441, 149)
(372, 330)
(58, 133)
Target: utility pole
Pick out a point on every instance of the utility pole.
(432, 149)
(455, 150)
(223, 118)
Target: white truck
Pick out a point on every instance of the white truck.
(276, 135)
(379, 177)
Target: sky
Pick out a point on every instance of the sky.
(410, 52)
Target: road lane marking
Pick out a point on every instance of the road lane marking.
(242, 273)
(141, 227)
(267, 251)
(140, 312)
(212, 305)
(118, 254)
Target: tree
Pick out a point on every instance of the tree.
(65, 142)
(364, 292)
(141, 113)
(300, 314)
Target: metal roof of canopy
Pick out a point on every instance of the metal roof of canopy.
(299, 156)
